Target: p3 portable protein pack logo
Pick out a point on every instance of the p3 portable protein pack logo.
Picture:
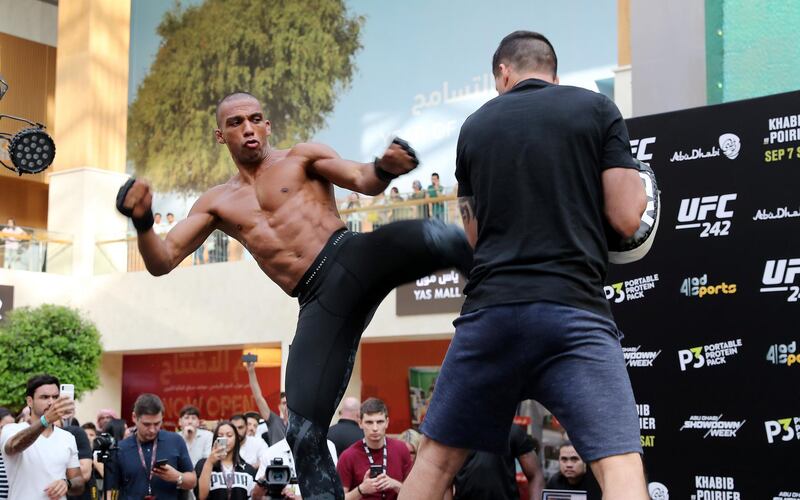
(782, 430)
(630, 289)
(780, 275)
(708, 355)
(711, 214)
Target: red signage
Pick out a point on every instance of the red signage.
(213, 381)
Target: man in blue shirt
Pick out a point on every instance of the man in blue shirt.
(135, 472)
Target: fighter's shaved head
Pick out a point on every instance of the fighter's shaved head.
(526, 51)
(239, 94)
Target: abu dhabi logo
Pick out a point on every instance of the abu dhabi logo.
(713, 425)
(731, 145)
(658, 491)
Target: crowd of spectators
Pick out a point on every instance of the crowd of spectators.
(45, 454)
(360, 216)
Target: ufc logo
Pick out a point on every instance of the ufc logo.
(639, 148)
(781, 271)
(697, 209)
(786, 428)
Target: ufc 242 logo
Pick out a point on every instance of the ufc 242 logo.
(780, 276)
(785, 429)
(693, 213)
(639, 148)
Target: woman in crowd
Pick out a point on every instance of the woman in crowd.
(418, 194)
(411, 438)
(224, 475)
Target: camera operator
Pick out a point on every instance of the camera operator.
(42, 460)
(283, 453)
(224, 475)
(377, 466)
(152, 463)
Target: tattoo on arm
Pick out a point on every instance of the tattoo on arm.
(23, 439)
(467, 206)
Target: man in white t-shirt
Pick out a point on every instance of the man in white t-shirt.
(251, 447)
(198, 440)
(42, 460)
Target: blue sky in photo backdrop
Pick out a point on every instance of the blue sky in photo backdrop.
(443, 51)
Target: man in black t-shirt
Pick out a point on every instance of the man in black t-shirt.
(542, 170)
(489, 476)
(573, 474)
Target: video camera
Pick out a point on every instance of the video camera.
(104, 445)
(276, 477)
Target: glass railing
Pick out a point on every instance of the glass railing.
(36, 250)
(122, 254)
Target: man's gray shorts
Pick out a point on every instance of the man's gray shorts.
(567, 359)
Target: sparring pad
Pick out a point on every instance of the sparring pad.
(626, 250)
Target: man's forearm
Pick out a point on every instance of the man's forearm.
(20, 441)
(352, 494)
(189, 481)
(154, 252)
(77, 484)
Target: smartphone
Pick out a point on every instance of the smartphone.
(221, 443)
(68, 390)
(160, 463)
(249, 358)
(375, 470)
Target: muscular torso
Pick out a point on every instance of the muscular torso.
(283, 219)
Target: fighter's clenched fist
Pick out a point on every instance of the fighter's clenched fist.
(134, 200)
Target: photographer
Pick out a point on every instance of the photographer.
(224, 475)
(152, 463)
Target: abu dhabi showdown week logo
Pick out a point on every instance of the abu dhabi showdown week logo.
(713, 425)
(708, 355)
(635, 357)
(780, 275)
(628, 290)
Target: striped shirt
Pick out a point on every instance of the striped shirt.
(3, 480)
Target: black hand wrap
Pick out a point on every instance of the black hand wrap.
(141, 224)
(388, 176)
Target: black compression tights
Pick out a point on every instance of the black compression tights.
(359, 270)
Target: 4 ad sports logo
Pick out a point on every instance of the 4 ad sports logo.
(782, 354)
(636, 358)
(780, 275)
(711, 213)
(639, 148)
(630, 289)
(708, 355)
(647, 425)
(698, 287)
(713, 425)
(782, 429)
(783, 129)
(715, 488)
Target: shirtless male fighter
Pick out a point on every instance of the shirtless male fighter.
(280, 206)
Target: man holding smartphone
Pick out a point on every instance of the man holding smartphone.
(151, 463)
(42, 460)
(376, 466)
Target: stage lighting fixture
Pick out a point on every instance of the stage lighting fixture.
(31, 150)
